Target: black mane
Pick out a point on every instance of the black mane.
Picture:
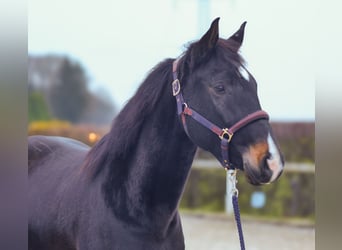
(120, 140)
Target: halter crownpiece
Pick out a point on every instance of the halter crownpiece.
(224, 134)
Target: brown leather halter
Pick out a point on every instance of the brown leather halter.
(225, 134)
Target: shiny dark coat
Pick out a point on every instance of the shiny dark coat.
(125, 191)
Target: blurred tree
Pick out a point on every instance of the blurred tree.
(68, 94)
(100, 109)
(37, 107)
(63, 85)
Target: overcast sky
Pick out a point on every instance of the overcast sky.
(118, 42)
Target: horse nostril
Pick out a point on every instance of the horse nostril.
(267, 157)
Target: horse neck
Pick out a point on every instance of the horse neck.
(148, 190)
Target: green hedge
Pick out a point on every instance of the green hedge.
(291, 196)
(37, 107)
(85, 133)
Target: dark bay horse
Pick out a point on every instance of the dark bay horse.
(125, 191)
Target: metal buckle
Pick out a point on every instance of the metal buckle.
(176, 87)
(225, 131)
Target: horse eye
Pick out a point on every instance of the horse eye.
(219, 89)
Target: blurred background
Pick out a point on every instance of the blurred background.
(86, 59)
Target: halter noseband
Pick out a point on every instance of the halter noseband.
(225, 134)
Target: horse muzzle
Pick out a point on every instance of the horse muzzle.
(263, 163)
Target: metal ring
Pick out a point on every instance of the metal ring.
(225, 131)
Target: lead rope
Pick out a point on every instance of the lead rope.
(235, 193)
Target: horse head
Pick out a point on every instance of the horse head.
(216, 85)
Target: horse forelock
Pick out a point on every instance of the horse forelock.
(230, 50)
(226, 49)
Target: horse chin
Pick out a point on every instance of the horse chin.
(256, 177)
(260, 176)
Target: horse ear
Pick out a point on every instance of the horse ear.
(237, 37)
(209, 39)
(201, 49)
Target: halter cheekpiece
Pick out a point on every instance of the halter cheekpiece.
(224, 134)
